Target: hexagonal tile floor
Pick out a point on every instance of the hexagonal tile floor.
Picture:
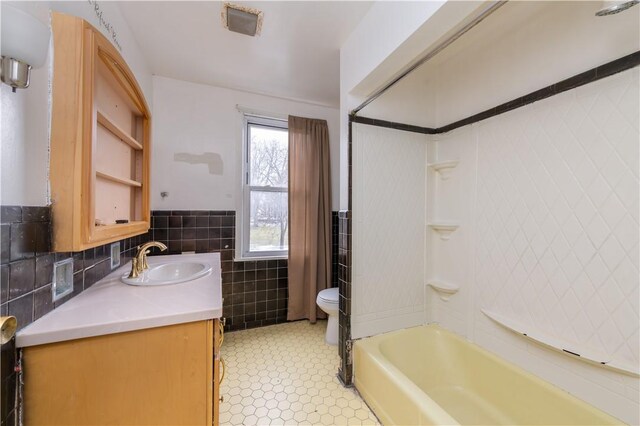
(285, 374)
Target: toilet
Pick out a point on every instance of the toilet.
(327, 300)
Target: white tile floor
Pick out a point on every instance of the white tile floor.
(286, 375)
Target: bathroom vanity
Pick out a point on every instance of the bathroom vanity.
(128, 354)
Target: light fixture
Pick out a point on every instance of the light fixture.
(610, 7)
(241, 19)
(24, 45)
(8, 326)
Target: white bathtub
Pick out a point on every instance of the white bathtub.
(429, 376)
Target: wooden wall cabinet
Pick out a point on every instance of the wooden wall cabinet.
(158, 376)
(100, 141)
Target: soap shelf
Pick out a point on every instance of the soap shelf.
(583, 354)
(444, 290)
(444, 168)
(444, 229)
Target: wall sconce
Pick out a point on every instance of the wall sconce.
(8, 327)
(24, 45)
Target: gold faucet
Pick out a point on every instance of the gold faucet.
(139, 261)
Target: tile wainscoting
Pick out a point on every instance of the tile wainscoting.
(26, 269)
(344, 285)
(255, 292)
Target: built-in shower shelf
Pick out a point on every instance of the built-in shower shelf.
(444, 168)
(444, 229)
(444, 290)
(575, 350)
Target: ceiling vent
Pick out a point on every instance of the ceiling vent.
(241, 19)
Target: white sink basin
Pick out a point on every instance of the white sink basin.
(169, 273)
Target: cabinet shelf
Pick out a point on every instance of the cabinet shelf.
(110, 125)
(123, 181)
(113, 231)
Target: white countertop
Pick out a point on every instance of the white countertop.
(110, 306)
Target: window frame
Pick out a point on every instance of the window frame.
(243, 238)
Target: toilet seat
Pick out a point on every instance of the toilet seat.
(329, 295)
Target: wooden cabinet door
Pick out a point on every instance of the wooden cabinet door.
(158, 376)
(217, 373)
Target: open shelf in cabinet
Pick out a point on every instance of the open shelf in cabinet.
(110, 125)
(102, 176)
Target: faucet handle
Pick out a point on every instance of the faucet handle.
(134, 268)
(143, 258)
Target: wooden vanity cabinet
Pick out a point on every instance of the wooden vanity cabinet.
(100, 140)
(158, 376)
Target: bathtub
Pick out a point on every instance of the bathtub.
(429, 376)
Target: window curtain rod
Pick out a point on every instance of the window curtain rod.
(262, 114)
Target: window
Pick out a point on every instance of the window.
(265, 225)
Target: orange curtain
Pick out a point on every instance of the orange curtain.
(309, 216)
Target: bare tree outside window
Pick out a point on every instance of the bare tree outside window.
(268, 184)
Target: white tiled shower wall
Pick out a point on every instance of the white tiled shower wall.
(547, 201)
(388, 230)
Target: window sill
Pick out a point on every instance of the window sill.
(254, 258)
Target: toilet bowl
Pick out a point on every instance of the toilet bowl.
(327, 300)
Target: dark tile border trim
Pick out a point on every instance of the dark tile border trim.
(393, 125)
(594, 74)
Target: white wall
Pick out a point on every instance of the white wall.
(547, 198)
(24, 147)
(24, 132)
(197, 119)
(389, 230)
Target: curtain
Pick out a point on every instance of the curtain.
(309, 216)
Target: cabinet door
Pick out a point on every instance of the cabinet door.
(218, 372)
(158, 376)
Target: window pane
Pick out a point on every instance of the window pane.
(268, 165)
(268, 224)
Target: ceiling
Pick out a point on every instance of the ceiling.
(297, 55)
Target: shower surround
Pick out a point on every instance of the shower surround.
(545, 197)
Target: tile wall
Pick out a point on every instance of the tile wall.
(547, 201)
(334, 247)
(612, 119)
(345, 371)
(389, 229)
(255, 292)
(26, 268)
